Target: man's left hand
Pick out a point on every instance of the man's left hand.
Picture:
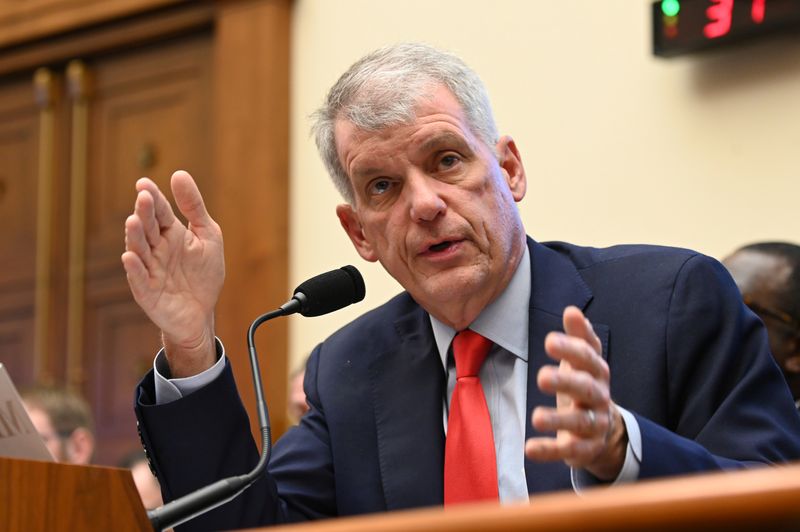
(590, 432)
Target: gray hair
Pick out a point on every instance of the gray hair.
(383, 88)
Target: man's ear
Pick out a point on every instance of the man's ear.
(80, 446)
(352, 226)
(511, 163)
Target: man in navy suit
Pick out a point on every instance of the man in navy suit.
(606, 365)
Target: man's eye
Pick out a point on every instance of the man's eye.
(379, 186)
(448, 161)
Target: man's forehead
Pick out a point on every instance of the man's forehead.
(374, 148)
(416, 134)
(436, 98)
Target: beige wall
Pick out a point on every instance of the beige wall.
(619, 146)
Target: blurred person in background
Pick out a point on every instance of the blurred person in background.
(296, 404)
(768, 276)
(146, 483)
(64, 421)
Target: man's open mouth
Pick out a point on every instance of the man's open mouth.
(441, 246)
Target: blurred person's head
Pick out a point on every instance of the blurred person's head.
(146, 483)
(296, 404)
(64, 421)
(768, 276)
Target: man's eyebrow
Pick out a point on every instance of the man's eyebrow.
(439, 141)
(365, 172)
(445, 140)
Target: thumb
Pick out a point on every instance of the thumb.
(190, 202)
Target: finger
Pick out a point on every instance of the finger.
(190, 202)
(576, 452)
(144, 211)
(577, 325)
(136, 273)
(164, 215)
(580, 422)
(577, 352)
(135, 239)
(580, 386)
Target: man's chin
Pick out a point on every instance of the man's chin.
(451, 286)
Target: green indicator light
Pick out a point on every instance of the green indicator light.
(670, 7)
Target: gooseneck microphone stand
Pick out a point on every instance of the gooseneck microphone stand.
(201, 501)
(319, 295)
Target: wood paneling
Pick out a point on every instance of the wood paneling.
(251, 118)
(45, 497)
(16, 340)
(201, 86)
(19, 145)
(110, 36)
(120, 345)
(25, 19)
(149, 116)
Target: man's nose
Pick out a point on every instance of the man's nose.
(425, 200)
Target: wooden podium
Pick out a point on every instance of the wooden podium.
(43, 496)
(46, 496)
(757, 499)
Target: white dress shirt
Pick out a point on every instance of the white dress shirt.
(504, 377)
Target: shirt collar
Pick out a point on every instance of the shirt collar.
(504, 321)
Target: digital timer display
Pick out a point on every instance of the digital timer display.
(682, 26)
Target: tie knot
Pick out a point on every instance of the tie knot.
(469, 350)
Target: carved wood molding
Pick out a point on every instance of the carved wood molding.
(112, 35)
(25, 20)
(45, 94)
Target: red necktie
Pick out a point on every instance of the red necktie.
(470, 465)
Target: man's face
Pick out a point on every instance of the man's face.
(53, 441)
(436, 207)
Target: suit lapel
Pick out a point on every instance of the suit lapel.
(555, 285)
(407, 389)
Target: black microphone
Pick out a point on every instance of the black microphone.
(319, 295)
(327, 292)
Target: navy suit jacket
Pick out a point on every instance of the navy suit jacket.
(686, 357)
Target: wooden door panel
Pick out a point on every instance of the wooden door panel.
(149, 112)
(19, 132)
(149, 117)
(121, 345)
(19, 142)
(16, 343)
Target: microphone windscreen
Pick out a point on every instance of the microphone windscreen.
(331, 291)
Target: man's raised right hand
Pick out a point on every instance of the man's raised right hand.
(176, 272)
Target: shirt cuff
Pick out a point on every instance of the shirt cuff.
(582, 479)
(169, 390)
